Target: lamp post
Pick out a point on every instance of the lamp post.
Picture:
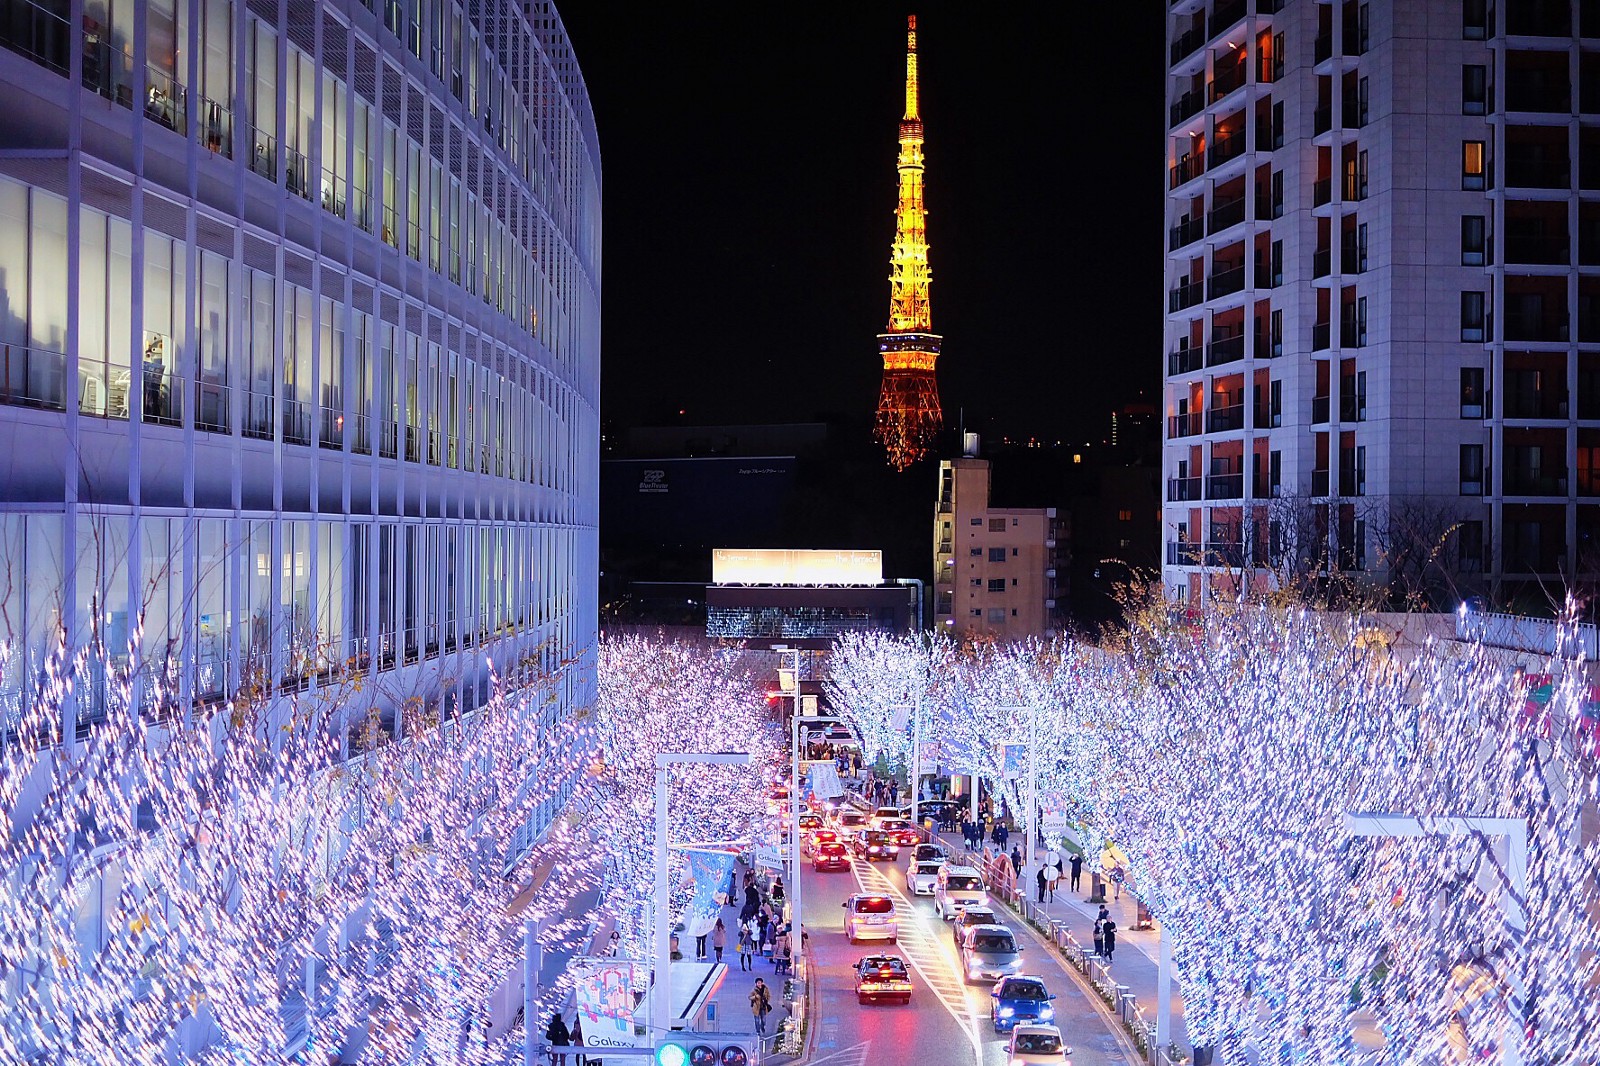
(794, 784)
(661, 994)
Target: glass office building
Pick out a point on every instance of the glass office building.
(299, 352)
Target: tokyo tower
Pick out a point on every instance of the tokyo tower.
(908, 404)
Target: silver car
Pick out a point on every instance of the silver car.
(990, 952)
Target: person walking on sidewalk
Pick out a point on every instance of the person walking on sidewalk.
(1016, 860)
(747, 948)
(1039, 877)
(760, 1005)
(719, 938)
(556, 1033)
(1099, 937)
(1109, 933)
(577, 1039)
(1077, 871)
(700, 948)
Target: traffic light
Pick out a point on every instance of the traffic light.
(679, 1052)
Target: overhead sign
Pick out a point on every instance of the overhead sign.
(795, 566)
(607, 992)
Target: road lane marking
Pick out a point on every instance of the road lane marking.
(922, 951)
(855, 1055)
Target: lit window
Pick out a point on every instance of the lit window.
(1473, 165)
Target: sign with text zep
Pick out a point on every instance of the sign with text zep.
(795, 566)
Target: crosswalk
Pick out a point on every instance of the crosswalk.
(925, 942)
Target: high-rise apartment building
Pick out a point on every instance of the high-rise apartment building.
(299, 351)
(994, 568)
(1383, 275)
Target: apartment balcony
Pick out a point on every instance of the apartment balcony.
(1523, 482)
(1319, 410)
(1352, 259)
(1185, 233)
(1321, 262)
(1319, 482)
(1352, 334)
(1354, 112)
(1532, 172)
(1550, 328)
(1186, 170)
(32, 377)
(1224, 215)
(1268, 347)
(1213, 553)
(1352, 408)
(1184, 553)
(1538, 249)
(1226, 350)
(1322, 192)
(1187, 106)
(1225, 419)
(1227, 81)
(1549, 99)
(1225, 487)
(1321, 336)
(1352, 482)
(1354, 187)
(1187, 294)
(1322, 120)
(1588, 325)
(1185, 361)
(1539, 18)
(1268, 208)
(1186, 45)
(1187, 424)
(1264, 489)
(1183, 489)
(1227, 13)
(1225, 283)
(1268, 277)
(1224, 149)
(42, 35)
(1322, 47)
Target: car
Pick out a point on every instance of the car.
(874, 844)
(1037, 1045)
(922, 877)
(900, 832)
(1020, 1000)
(881, 977)
(989, 952)
(849, 823)
(929, 853)
(871, 918)
(890, 814)
(816, 838)
(809, 822)
(970, 917)
(958, 888)
(830, 856)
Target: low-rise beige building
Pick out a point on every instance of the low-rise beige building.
(994, 568)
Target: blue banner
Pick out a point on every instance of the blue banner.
(710, 870)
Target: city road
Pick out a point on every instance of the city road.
(947, 1022)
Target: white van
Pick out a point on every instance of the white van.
(958, 888)
(871, 918)
(890, 814)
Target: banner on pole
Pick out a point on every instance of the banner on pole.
(710, 870)
(822, 780)
(1013, 760)
(607, 992)
(932, 754)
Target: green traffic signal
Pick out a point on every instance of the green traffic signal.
(671, 1055)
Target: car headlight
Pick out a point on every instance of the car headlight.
(873, 849)
(1006, 1012)
(1047, 1012)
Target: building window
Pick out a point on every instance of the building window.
(1013, 552)
(1474, 240)
(976, 553)
(997, 555)
(1474, 20)
(1472, 470)
(977, 582)
(977, 521)
(1474, 167)
(977, 612)
(1013, 582)
(1474, 89)
(1469, 547)
(997, 615)
(1472, 316)
(1124, 516)
(997, 584)
(997, 525)
(1472, 392)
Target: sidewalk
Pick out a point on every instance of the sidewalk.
(1138, 951)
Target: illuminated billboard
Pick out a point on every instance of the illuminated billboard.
(795, 566)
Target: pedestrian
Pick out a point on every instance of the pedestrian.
(719, 938)
(1077, 871)
(752, 899)
(1041, 879)
(700, 947)
(780, 952)
(1005, 835)
(1109, 934)
(1016, 860)
(777, 892)
(894, 792)
(760, 1005)
(1099, 936)
(577, 1039)
(747, 947)
(763, 932)
(556, 1033)
(1104, 915)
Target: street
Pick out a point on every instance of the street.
(947, 1020)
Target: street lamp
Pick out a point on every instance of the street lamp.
(661, 994)
(794, 812)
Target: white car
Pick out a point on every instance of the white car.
(871, 918)
(922, 877)
(958, 888)
(1037, 1045)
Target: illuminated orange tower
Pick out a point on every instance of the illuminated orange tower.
(908, 404)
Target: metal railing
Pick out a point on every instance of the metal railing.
(1183, 489)
(333, 192)
(258, 415)
(32, 377)
(166, 101)
(1185, 360)
(40, 34)
(296, 172)
(263, 154)
(330, 427)
(216, 127)
(1226, 350)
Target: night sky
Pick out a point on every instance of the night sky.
(748, 154)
